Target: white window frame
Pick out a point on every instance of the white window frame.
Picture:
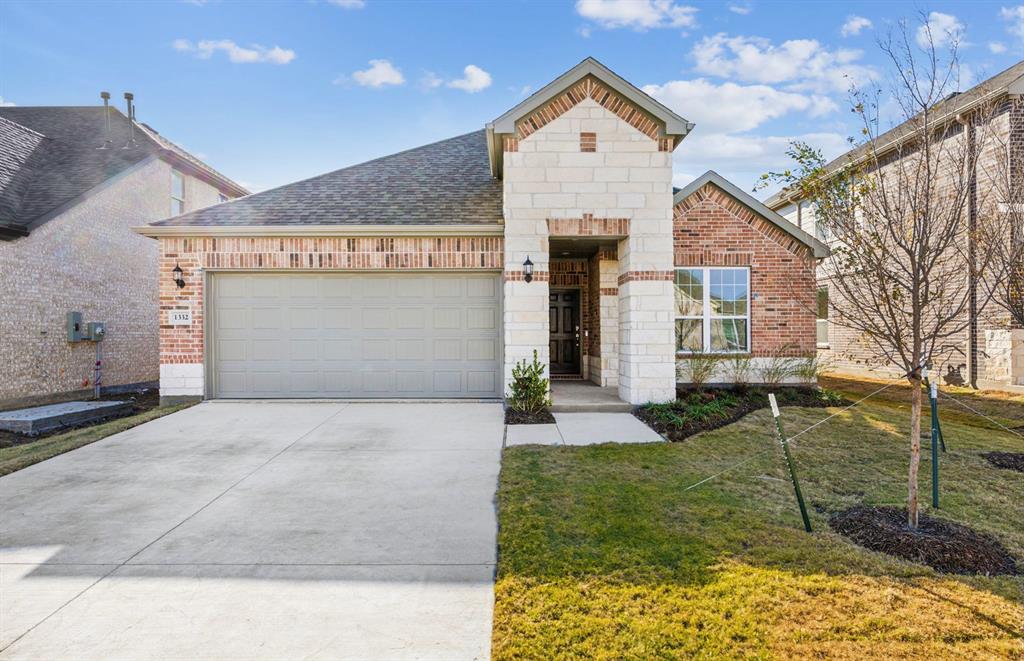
(175, 173)
(706, 316)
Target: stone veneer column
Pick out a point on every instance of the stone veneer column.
(646, 300)
(526, 325)
(604, 367)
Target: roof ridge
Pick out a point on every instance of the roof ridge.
(356, 165)
(22, 126)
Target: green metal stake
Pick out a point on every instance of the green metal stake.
(935, 414)
(789, 461)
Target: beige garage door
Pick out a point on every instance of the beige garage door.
(355, 335)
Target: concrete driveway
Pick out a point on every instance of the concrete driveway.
(259, 530)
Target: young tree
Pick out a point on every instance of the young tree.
(895, 212)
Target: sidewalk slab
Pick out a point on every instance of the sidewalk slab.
(532, 435)
(594, 428)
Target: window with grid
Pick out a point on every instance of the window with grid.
(177, 193)
(712, 310)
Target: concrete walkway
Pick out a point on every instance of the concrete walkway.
(583, 429)
(259, 530)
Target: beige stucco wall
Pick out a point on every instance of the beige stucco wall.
(87, 259)
(627, 177)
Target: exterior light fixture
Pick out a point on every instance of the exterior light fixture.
(178, 280)
(528, 270)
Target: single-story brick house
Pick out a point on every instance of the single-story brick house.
(432, 272)
(74, 180)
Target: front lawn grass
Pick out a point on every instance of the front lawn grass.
(16, 457)
(604, 554)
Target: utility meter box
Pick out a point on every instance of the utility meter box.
(75, 327)
(96, 331)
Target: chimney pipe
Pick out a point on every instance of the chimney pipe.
(129, 97)
(106, 120)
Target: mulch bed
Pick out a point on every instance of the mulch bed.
(142, 400)
(1010, 460)
(943, 545)
(695, 412)
(519, 418)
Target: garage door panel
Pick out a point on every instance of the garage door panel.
(377, 319)
(478, 383)
(268, 318)
(355, 335)
(448, 383)
(336, 318)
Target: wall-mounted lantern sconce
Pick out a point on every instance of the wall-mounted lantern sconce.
(178, 280)
(528, 270)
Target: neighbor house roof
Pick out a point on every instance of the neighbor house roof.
(1010, 81)
(50, 156)
(447, 183)
(819, 249)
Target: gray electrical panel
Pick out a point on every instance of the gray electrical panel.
(78, 331)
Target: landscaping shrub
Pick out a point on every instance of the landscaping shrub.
(695, 411)
(778, 367)
(529, 388)
(738, 369)
(700, 368)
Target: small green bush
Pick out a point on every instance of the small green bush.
(738, 369)
(700, 367)
(529, 387)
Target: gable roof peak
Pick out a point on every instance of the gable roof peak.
(819, 249)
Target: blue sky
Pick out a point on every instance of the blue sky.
(273, 92)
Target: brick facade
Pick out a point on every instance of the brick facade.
(711, 228)
(87, 259)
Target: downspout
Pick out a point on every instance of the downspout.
(972, 257)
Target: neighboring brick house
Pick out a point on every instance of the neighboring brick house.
(70, 190)
(432, 272)
(990, 352)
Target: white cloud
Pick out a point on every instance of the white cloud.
(996, 47)
(1015, 17)
(743, 158)
(380, 73)
(4, 103)
(854, 25)
(348, 4)
(430, 80)
(944, 29)
(637, 14)
(742, 10)
(802, 64)
(473, 80)
(255, 53)
(732, 108)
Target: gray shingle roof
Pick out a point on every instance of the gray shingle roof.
(49, 156)
(447, 182)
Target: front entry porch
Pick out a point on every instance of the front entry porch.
(586, 397)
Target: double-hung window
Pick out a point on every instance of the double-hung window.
(712, 310)
(177, 193)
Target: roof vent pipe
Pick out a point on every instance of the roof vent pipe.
(106, 120)
(129, 97)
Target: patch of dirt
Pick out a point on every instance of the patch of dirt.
(520, 418)
(142, 400)
(694, 411)
(943, 545)
(1009, 460)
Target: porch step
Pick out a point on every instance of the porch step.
(591, 407)
(586, 397)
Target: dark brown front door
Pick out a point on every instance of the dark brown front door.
(564, 313)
